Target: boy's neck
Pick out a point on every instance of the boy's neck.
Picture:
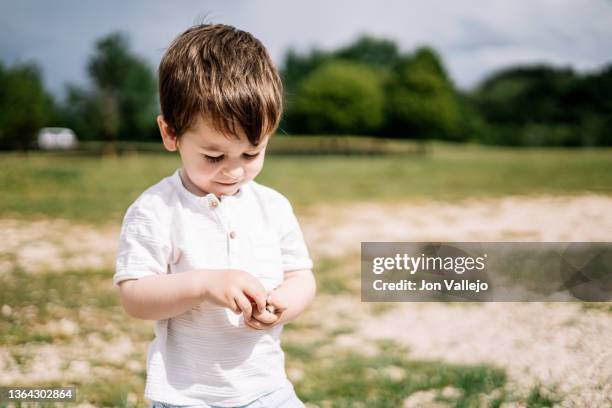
(190, 186)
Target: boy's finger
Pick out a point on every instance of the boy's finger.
(255, 324)
(266, 317)
(234, 307)
(245, 305)
(258, 296)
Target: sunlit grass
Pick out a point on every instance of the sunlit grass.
(99, 189)
(331, 374)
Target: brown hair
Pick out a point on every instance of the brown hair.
(223, 74)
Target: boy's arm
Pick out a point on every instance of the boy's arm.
(297, 292)
(161, 297)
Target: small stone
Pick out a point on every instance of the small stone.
(132, 398)
(6, 310)
(451, 392)
(420, 399)
(79, 368)
(395, 373)
(68, 327)
(295, 374)
(134, 366)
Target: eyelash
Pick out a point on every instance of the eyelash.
(212, 159)
(216, 159)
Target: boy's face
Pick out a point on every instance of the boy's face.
(213, 163)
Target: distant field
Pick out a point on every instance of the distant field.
(62, 322)
(94, 188)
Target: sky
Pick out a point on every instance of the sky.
(474, 37)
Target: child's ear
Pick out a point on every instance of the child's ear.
(168, 137)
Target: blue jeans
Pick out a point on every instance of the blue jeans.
(282, 398)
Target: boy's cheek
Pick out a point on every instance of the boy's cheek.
(257, 167)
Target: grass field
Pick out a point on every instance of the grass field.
(100, 188)
(69, 328)
(66, 326)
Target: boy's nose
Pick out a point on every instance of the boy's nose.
(234, 172)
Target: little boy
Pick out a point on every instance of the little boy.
(217, 260)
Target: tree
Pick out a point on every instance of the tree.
(340, 97)
(371, 51)
(25, 106)
(546, 106)
(524, 94)
(421, 101)
(297, 67)
(366, 50)
(79, 112)
(588, 104)
(376, 53)
(125, 90)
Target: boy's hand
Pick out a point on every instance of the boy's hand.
(269, 317)
(233, 289)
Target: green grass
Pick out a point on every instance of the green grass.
(100, 189)
(332, 278)
(541, 397)
(354, 378)
(54, 296)
(333, 376)
(449, 173)
(88, 299)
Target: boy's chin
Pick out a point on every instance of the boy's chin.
(225, 189)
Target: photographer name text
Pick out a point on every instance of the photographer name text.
(451, 285)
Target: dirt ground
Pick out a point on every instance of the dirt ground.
(561, 345)
(564, 346)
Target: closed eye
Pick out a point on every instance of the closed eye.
(250, 156)
(213, 159)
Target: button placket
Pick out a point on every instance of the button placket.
(230, 233)
(232, 238)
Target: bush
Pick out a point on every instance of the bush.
(339, 97)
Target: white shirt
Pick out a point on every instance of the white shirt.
(207, 354)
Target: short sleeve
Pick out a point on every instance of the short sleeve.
(293, 247)
(143, 248)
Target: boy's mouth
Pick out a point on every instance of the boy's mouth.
(227, 184)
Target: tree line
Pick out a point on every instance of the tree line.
(119, 103)
(368, 87)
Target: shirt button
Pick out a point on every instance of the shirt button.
(232, 235)
(214, 204)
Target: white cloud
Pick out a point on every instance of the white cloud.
(473, 36)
